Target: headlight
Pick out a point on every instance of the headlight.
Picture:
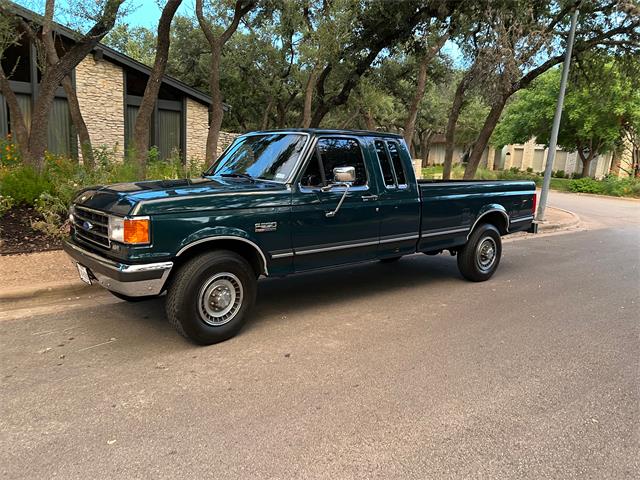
(129, 230)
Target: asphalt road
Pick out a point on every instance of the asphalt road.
(377, 371)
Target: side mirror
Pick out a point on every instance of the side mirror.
(342, 177)
(344, 174)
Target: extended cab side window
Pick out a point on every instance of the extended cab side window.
(394, 151)
(385, 164)
(331, 153)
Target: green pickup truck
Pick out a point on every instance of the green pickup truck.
(280, 202)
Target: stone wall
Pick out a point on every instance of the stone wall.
(224, 140)
(197, 128)
(100, 90)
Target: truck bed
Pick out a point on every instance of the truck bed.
(450, 208)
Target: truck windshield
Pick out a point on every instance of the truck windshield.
(269, 156)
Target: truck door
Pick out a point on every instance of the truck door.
(399, 200)
(321, 235)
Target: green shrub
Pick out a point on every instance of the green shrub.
(6, 203)
(621, 187)
(54, 216)
(586, 185)
(558, 174)
(24, 185)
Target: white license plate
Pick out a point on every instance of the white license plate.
(84, 274)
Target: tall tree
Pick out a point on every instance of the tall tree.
(32, 141)
(429, 51)
(150, 96)
(48, 41)
(525, 41)
(380, 25)
(595, 110)
(216, 43)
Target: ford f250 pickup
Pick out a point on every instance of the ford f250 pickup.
(277, 203)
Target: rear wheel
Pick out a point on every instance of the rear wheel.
(209, 298)
(479, 258)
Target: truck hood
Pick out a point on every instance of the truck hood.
(168, 196)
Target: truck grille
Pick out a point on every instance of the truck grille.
(91, 226)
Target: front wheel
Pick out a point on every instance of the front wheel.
(209, 298)
(479, 258)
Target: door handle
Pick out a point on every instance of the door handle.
(369, 198)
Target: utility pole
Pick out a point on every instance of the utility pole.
(553, 140)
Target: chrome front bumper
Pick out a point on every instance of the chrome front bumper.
(133, 280)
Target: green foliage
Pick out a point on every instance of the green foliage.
(9, 153)
(6, 204)
(52, 191)
(54, 215)
(599, 102)
(23, 184)
(617, 187)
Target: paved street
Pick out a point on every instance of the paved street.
(376, 371)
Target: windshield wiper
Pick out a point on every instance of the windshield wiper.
(238, 175)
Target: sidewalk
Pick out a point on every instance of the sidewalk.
(46, 273)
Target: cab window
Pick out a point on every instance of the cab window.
(394, 151)
(329, 154)
(385, 164)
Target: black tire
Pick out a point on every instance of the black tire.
(192, 306)
(127, 298)
(479, 258)
(390, 259)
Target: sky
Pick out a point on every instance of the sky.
(143, 13)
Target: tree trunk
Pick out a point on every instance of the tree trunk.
(150, 97)
(421, 83)
(72, 99)
(267, 113)
(586, 161)
(216, 42)
(18, 126)
(308, 96)
(33, 149)
(483, 138)
(425, 143)
(217, 110)
(449, 137)
(86, 149)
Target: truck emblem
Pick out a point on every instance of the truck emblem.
(266, 227)
(87, 225)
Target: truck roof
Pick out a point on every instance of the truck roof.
(324, 131)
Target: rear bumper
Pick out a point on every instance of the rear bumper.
(133, 280)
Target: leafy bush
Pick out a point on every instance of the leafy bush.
(6, 203)
(54, 216)
(9, 153)
(585, 185)
(23, 184)
(558, 174)
(621, 187)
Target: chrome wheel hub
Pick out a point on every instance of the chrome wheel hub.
(220, 298)
(486, 254)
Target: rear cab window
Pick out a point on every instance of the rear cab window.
(388, 152)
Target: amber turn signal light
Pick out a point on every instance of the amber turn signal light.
(136, 230)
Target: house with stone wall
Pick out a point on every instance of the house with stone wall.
(109, 88)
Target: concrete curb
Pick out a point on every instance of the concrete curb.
(554, 227)
(57, 289)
